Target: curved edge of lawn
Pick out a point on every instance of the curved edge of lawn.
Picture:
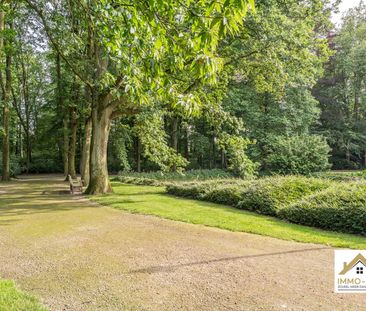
(149, 200)
(13, 299)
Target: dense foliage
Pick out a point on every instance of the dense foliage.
(249, 87)
(298, 154)
(166, 178)
(341, 92)
(180, 85)
(322, 203)
(342, 208)
(265, 196)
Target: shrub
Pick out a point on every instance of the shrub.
(268, 195)
(40, 165)
(15, 165)
(265, 196)
(342, 208)
(198, 189)
(300, 154)
(342, 175)
(225, 194)
(163, 179)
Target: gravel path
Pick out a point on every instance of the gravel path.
(75, 255)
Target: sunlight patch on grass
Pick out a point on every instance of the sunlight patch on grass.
(153, 201)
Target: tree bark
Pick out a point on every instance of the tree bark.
(72, 143)
(85, 156)
(101, 122)
(212, 163)
(138, 155)
(175, 138)
(28, 150)
(223, 160)
(6, 117)
(65, 121)
(65, 147)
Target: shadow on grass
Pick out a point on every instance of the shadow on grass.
(172, 268)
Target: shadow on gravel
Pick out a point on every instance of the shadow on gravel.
(172, 268)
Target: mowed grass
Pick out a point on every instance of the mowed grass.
(150, 200)
(12, 299)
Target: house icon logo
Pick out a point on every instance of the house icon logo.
(350, 271)
(358, 263)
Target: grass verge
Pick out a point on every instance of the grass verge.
(153, 201)
(12, 299)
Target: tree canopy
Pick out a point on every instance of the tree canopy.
(95, 86)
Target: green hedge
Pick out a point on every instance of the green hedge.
(268, 195)
(168, 178)
(199, 189)
(265, 196)
(316, 202)
(342, 208)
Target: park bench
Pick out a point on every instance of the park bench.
(75, 185)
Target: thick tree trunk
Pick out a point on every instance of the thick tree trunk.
(72, 143)
(85, 156)
(99, 181)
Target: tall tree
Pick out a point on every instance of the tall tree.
(134, 51)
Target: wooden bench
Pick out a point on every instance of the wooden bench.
(75, 185)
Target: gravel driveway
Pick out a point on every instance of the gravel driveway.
(76, 255)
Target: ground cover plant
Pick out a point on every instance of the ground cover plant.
(12, 299)
(154, 201)
(322, 203)
(264, 196)
(341, 207)
(342, 175)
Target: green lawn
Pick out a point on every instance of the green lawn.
(153, 201)
(12, 299)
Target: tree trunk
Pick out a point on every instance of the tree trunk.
(65, 149)
(72, 143)
(101, 121)
(28, 151)
(175, 138)
(186, 143)
(212, 152)
(85, 156)
(6, 149)
(138, 155)
(65, 121)
(348, 155)
(223, 160)
(6, 117)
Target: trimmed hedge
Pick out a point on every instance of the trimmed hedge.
(264, 196)
(341, 208)
(268, 195)
(168, 178)
(203, 190)
(321, 203)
